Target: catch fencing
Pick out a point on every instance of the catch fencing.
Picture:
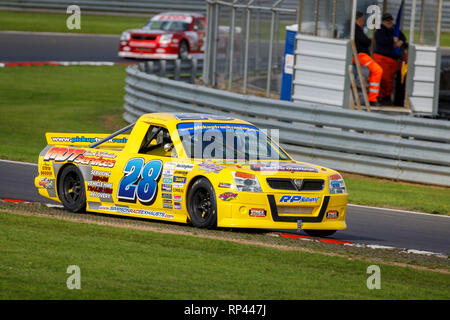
(395, 147)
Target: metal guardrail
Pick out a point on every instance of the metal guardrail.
(396, 147)
(185, 70)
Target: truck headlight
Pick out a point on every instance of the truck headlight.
(246, 182)
(125, 36)
(337, 184)
(165, 38)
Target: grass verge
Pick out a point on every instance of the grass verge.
(35, 100)
(125, 263)
(56, 22)
(40, 99)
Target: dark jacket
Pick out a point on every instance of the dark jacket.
(362, 41)
(384, 42)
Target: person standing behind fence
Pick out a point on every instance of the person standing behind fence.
(385, 55)
(363, 43)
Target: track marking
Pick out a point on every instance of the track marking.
(397, 210)
(19, 162)
(61, 34)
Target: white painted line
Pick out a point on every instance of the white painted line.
(19, 162)
(397, 210)
(51, 205)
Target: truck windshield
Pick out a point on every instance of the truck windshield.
(167, 25)
(227, 141)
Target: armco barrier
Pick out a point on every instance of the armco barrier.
(397, 147)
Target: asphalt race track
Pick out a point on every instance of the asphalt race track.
(370, 226)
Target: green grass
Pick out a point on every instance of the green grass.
(104, 24)
(384, 193)
(35, 100)
(56, 22)
(445, 39)
(120, 263)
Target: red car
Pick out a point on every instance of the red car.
(169, 35)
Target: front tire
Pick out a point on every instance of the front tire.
(71, 189)
(183, 50)
(320, 233)
(202, 205)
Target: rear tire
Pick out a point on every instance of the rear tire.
(202, 205)
(320, 233)
(71, 189)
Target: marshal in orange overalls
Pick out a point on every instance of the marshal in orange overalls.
(376, 73)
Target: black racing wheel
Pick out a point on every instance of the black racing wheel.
(183, 50)
(202, 205)
(71, 189)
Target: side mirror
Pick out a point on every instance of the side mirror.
(168, 147)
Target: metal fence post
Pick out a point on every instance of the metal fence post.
(177, 69)
(232, 35)
(247, 40)
(269, 67)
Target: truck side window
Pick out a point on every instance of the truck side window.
(157, 142)
(198, 24)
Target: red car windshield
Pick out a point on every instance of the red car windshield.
(167, 25)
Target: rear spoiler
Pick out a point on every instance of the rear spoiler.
(86, 139)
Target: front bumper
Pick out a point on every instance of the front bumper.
(137, 55)
(235, 213)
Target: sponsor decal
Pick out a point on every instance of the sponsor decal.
(227, 196)
(100, 173)
(126, 210)
(185, 166)
(225, 185)
(257, 212)
(332, 214)
(179, 190)
(167, 180)
(178, 185)
(167, 173)
(177, 205)
(100, 178)
(170, 165)
(166, 187)
(46, 170)
(282, 167)
(177, 197)
(80, 156)
(292, 199)
(167, 206)
(244, 175)
(99, 186)
(210, 167)
(47, 183)
(166, 195)
(177, 179)
(85, 140)
(169, 201)
(166, 17)
(181, 173)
